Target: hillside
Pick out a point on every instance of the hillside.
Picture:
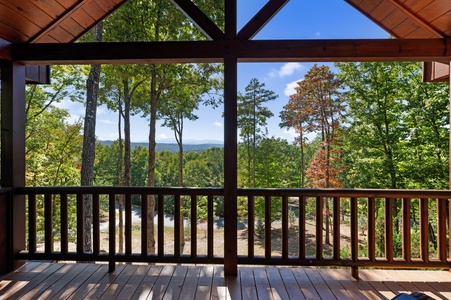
(173, 147)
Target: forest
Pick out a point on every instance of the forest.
(375, 125)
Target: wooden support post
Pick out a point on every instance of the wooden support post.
(13, 156)
(230, 144)
(449, 200)
(230, 167)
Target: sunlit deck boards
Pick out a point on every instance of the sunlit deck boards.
(92, 281)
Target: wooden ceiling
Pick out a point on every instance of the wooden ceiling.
(51, 21)
(64, 21)
(409, 18)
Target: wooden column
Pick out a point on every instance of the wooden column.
(230, 145)
(13, 155)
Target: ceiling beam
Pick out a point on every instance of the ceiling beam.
(246, 51)
(261, 19)
(202, 21)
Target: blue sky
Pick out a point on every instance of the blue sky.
(299, 19)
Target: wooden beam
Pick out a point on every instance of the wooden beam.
(5, 49)
(261, 19)
(246, 51)
(436, 71)
(203, 22)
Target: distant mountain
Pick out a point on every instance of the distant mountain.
(173, 147)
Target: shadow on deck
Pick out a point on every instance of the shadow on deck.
(38, 280)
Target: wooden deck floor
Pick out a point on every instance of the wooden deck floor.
(92, 281)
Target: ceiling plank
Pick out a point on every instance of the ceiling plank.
(261, 19)
(58, 21)
(414, 17)
(245, 51)
(202, 21)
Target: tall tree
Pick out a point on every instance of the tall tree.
(89, 140)
(317, 107)
(252, 116)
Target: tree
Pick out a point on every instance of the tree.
(317, 107)
(89, 140)
(252, 115)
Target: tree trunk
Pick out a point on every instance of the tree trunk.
(121, 182)
(180, 144)
(89, 140)
(151, 162)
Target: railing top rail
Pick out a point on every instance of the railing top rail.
(138, 190)
(348, 193)
(290, 192)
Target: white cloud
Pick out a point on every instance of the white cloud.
(163, 136)
(290, 132)
(218, 124)
(108, 122)
(287, 69)
(290, 88)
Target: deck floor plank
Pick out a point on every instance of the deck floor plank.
(334, 285)
(204, 283)
(276, 284)
(34, 285)
(307, 288)
(128, 281)
(262, 284)
(146, 286)
(293, 289)
(12, 282)
(219, 284)
(358, 289)
(100, 283)
(176, 284)
(160, 286)
(377, 283)
(133, 282)
(119, 282)
(320, 285)
(76, 282)
(61, 284)
(248, 288)
(190, 284)
(90, 280)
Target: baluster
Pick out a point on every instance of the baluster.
(177, 225)
(319, 227)
(372, 229)
(250, 226)
(193, 225)
(406, 240)
(80, 224)
(64, 224)
(128, 224)
(441, 229)
(285, 227)
(301, 224)
(160, 200)
(424, 230)
(144, 231)
(32, 223)
(268, 227)
(336, 228)
(389, 229)
(112, 231)
(96, 223)
(210, 223)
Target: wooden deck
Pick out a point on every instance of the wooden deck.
(37, 280)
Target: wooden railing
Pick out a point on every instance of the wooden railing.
(367, 228)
